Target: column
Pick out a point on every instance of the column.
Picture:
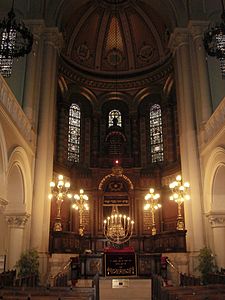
(45, 142)
(179, 43)
(33, 73)
(16, 225)
(202, 76)
(217, 222)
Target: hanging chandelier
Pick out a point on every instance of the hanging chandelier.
(118, 228)
(214, 41)
(15, 41)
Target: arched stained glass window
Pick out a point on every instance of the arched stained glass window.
(74, 133)
(156, 135)
(115, 114)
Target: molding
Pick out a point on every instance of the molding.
(17, 220)
(14, 111)
(215, 123)
(109, 84)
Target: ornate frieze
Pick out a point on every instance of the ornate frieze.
(137, 83)
(17, 221)
(14, 110)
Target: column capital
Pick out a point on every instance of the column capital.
(216, 219)
(179, 37)
(17, 220)
(197, 28)
(3, 204)
(53, 37)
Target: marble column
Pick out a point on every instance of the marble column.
(179, 43)
(16, 224)
(202, 84)
(45, 142)
(217, 222)
(33, 73)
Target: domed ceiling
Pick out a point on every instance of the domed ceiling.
(104, 37)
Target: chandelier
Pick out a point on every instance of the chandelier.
(59, 191)
(152, 204)
(214, 41)
(118, 228)
(179, 195)
(81, 204)
(15, 41)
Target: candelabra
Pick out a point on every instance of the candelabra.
(179, 195)
(118, 228)
(152, 204)
(81, 205)
(59, 191)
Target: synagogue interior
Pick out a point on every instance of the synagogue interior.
(112, 138)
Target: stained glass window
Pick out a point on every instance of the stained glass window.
(115, 114)
(156, 135)
(74, 133)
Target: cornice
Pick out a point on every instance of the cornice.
(137, 82)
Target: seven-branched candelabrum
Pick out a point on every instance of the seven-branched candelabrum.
(118, 228)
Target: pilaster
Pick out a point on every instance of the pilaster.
(217, 221)
(16, 224)
(52, 40)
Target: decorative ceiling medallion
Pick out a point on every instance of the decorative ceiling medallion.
(146, 53)
(83, 52)
(114, 57)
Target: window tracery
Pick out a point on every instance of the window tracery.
(156, 134)
(115, 114)
(74, 133)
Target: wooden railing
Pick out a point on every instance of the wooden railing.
(162, 292)
(69, 242)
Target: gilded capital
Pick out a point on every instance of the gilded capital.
(17, 221)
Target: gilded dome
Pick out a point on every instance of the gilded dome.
(106, 36)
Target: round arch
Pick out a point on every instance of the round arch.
(214, 175)
(3, 163)
(19, 192)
